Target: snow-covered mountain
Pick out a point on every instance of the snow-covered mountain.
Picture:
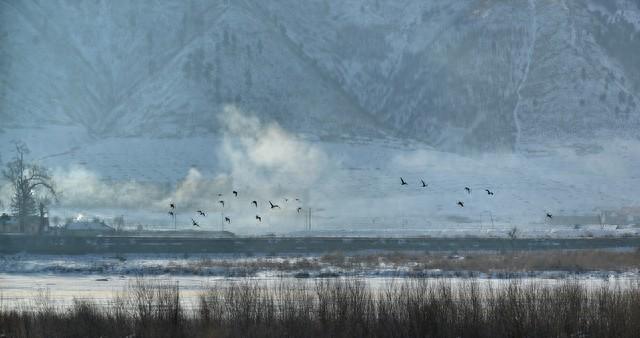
(455, 74)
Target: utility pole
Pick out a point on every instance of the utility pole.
(306, 220)
(492, 225)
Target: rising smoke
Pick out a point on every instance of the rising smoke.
(261, 160)
(351, 187)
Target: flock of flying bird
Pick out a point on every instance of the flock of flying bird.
(467, 189)
(172, 211)
(460, 203)
(194, 223)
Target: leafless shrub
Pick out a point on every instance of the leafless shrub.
(345, 308)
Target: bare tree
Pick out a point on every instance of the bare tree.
(43, 202)
(119, 223)
(27, 180)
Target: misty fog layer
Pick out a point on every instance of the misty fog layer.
(138, 104)
(347, 185)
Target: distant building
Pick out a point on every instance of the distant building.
(6, 223)
(574, 220)
(623, 216)
(33, 224)
(88, 226)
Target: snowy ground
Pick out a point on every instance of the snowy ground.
(29, 280)
(29, 291)
(366, 266)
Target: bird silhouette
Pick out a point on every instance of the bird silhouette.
(255, 203)
(299, 209)
(172, 206)
(489, 192)
(235, 193)
(202, 213)
(297, 200)
(273, 206)
(402, 182)
(227, 219)
(194, 223)
(424, 185)
(461, 204)
(468, 190)
(219, 195)
(221, 202)
(171, 213)
(259, 218)
(549, 216)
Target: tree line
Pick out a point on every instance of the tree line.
(31, 186)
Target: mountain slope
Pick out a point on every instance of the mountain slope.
(457, 75)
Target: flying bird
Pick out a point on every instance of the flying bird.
(461, 204)
(194, 223)
(172, 206)
(549, 216)
(171, 213)
(297, 200)
(489, 192)
(235, 193)
(221, 202)
(255, 203)
(227, 219)
(273, 206)
(468, 190)
(402, 182)
(424, 185)
(219, 195)
(299, 209)
(202, 213)
(259, 218)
